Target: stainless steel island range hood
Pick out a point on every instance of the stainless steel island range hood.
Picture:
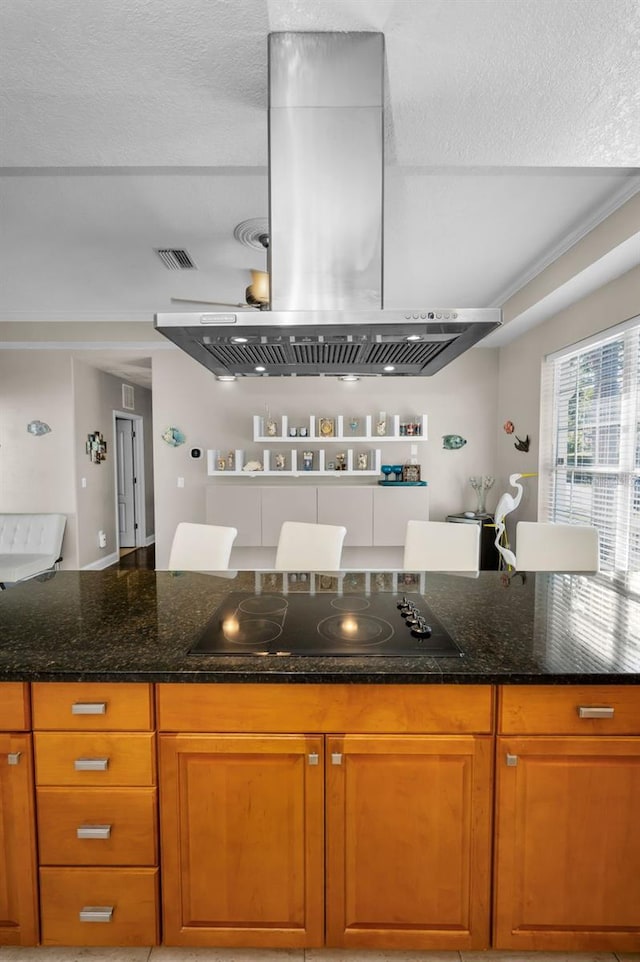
(326, 313)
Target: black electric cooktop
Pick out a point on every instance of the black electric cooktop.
(324, 624)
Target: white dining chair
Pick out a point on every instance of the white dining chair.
(441, 546)
(305, 546)
(542, 546)
(201, 547)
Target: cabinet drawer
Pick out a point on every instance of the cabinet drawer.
(14, 706)
(570, 710)
(92, 706)
(117, 826)
(130, 894)
(94, 758)
(358, 709)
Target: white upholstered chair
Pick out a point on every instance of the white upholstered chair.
(544, 546)
(201, 547)
(441, 546)
(305, 546)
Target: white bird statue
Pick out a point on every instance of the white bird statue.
(508, 503)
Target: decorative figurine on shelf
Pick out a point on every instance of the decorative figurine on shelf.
(230, 461)
(354, 424)
(251, 466)
(381, 424)
(363, 461)
(272, 428)
(507, 503)
(481, 484)
(280, 462)
(221, 464)
(307, 460)
(341, 462)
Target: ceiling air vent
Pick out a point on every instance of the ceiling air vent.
(175, 259)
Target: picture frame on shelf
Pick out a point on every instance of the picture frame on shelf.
(411, 472)
(327, 427)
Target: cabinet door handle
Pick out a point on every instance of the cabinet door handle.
(89, 708)
(91, 764)
(13, 758)
(314, 758)
(593, 711)
(96, 913)
(512, 760)
(93, 831)
(336, 758)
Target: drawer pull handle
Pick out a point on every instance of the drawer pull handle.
(96, 913)
(314, 758)
(89, 708)
(13, 758)
(587, 711)
(512, 760)
(91, 764)
(93, 831)
(336, 758)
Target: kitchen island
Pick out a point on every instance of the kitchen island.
(138, 626)
(407, 801)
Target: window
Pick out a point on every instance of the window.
(590, 473)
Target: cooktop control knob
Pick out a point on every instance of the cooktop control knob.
(403, 603)
(422, 629)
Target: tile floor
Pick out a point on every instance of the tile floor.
(163, 954)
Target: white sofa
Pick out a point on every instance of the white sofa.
(30, 544)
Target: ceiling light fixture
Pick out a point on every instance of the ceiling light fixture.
(388, 367)
(225, 377)
(260, 369)
(348, 377)
(239, 340)
(415, 337)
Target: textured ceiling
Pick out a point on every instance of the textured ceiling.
(511, 127)
(183, 82)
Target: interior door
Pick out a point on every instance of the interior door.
(126, 483)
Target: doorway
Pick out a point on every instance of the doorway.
(130, 481)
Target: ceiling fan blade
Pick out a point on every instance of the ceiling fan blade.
(191, 300)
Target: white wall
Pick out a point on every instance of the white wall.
(96, 396)
(521, 366)
(36, 473)
(461, 399)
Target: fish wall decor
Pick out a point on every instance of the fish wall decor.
(452, 442)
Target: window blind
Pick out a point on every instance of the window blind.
(590, 469)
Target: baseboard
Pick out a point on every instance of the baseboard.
(110, 559)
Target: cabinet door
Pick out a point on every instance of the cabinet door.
(568, 851)
(242, 840)
(351, 507)
(392, 508)
(408, 841)
(238, 506)
(286, 504)
(18, 894)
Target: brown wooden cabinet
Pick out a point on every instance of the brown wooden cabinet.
(18, 887)
(407, 815)
(96, 798)
(409, 841)
(568, 832)
(242, 830)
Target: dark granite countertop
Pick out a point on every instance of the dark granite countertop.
(138, 625)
